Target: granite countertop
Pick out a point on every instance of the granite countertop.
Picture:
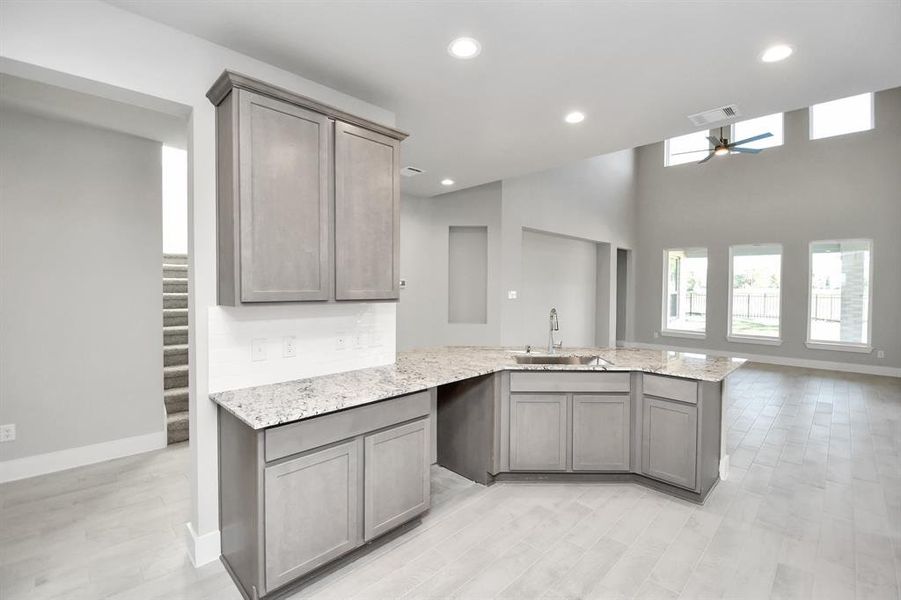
(278, 403)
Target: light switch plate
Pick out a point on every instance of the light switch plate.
(289, 349)
(511, 295)
(880, 354)
(258, 349)
(403, 284)
(8, 432)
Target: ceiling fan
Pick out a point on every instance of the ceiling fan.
(722, 146)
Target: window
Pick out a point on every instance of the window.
(840, 295)
(748, 129)
(756, 297)
(838, 117)
(685, 292)
(695, 145)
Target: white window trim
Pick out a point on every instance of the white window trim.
(840, 346)
(664, 330)
(829, 137)
(755, 339)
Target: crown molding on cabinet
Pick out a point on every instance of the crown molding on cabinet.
(230, 80)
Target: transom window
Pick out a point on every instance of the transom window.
(842, 116)
(751, 127)
(755, 298)
(685, 292)
(840, 295)
(686, 148)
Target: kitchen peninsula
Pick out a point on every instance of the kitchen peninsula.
(315, 468)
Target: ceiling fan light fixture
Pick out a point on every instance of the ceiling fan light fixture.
(776, 53)
(721, 151)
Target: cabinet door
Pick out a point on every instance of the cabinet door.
(397, 476)
(670, 441)
(601, 427)
(284, 201)
(367, 214)
(538, 432)
(312, 514)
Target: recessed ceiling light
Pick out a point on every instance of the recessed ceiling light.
(447, 182)
(464, 47)
(776, 53)
(574, 117)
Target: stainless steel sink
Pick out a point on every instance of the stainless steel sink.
(558, 359)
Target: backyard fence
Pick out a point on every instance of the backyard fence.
(826, 307)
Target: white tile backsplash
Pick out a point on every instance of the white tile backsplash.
(329, 338)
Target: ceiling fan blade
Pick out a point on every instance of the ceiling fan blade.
(746, 150)
(715, 141)
(709, 156)
(762, 136)
(691, 151)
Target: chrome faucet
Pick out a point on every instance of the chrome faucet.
(554, 326)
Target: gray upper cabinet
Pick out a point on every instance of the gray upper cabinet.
(397, 482)
(313, 511)
(670, 441)
(287, 186)
(367, 214)
(601, 425)
(538, 432)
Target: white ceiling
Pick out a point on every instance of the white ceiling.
(636, 69)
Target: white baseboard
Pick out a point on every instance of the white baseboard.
(724, 467)
(787, 361)
(202, 549)
(51, 462)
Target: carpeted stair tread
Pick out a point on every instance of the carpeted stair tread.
(176, 400)
(175, 316)
(177, 427)
(175, 300)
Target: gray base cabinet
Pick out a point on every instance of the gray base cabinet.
(397, 477)
(295, 497)
(670, 441)
(538, 432)
(601, 425)
(313, 506)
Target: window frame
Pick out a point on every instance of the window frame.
(754, 339)
(666, 153)
(872, 126)
(682, 333)
(732, 135)
(841, 346)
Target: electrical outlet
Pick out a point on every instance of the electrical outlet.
(258, 349)
(358, 340)
(511, 295)
(289, 349)
(880, 354)
(656, 334)
(8, 433)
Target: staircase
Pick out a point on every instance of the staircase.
(175, 346)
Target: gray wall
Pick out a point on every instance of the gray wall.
(592, 200)
(559, 272)
(81, 292)
(422, 313)
(835, 188)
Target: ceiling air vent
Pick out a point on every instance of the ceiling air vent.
(411, 171)
(714, 115)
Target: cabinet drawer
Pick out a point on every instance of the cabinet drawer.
(286, 440)
(682, 390)
(568, 381)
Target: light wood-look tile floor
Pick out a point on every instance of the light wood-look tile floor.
(812, 509)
